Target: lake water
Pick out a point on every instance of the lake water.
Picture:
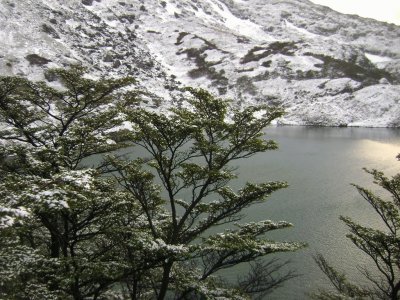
(319, 164)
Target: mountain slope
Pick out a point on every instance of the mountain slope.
(324, 67)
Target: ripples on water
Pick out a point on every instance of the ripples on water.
(319, 164)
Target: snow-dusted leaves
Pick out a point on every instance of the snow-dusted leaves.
(246, 239)
(129, 223)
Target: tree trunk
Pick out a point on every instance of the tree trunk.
(165, 280)
(54, 246)
(134, 289)
(76, 293)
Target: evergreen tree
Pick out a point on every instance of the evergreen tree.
(381, 245)
(132, 229)
(55, 217)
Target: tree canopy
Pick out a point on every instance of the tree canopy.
(136, 228)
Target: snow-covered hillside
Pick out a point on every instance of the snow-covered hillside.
(324, 67)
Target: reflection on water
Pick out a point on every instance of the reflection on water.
(377, 152)
(319, 164)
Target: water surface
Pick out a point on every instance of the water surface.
(319, 164)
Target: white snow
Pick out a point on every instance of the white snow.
(306, 102)
(172, 9)
(124, 126)
(81, 178)
(303, 63)
(302, 31)
(376, 59)
(11, 215)
(242, 27)
(377, 106)
(6, 38)
(72, 23)
(222, 36)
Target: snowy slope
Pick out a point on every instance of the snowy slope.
(324, 67)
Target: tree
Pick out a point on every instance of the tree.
(381, 245)
(191, 151)
(128, 228)
(55, 217)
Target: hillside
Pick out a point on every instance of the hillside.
(324, 67)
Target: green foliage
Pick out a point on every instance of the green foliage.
(127, 229)
(382, 246)
(203, 67)
(363, 71)
(60, 216)
(191, 151)
(257, 53)
(64, 126)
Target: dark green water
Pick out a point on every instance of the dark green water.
(319, 164)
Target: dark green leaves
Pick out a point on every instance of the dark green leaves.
(140, 223)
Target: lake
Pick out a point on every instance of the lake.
(319, 164)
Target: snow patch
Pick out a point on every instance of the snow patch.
(11, 214)
(377, 59)
(303, 31)
(72, 23)
(242, 27)
(126, 125)
(378, 106)
(172, 9)
(304, 63)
